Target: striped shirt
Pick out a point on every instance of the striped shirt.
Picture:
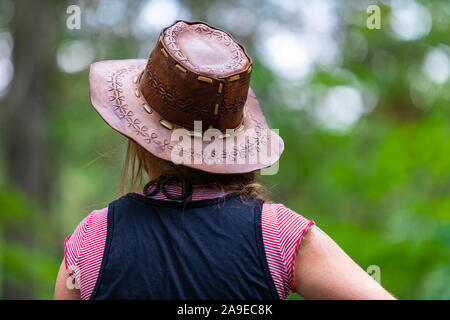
(282, 231)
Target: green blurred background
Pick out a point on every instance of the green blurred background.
(364, 115)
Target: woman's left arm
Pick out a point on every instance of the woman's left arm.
(324, 271)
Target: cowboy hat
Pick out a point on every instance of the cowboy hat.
(189, 103)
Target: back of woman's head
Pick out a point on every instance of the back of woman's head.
(141, 166)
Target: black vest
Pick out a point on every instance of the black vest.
(207, 249)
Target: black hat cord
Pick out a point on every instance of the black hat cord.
(161, 183)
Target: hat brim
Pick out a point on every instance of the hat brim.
(113, 93)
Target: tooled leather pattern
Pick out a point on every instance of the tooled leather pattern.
(237, 59)
(122, 110)
(234, 105)
(175, 100)
(179, 103)
(243, 150)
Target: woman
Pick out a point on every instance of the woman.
(202, 228)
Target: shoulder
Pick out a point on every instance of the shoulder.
(283, 230)
(284, 217)
(288, 225)
(83, 251)
(89, 231)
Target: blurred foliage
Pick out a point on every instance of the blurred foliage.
(379, 187)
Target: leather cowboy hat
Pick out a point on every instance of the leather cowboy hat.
(189, 103)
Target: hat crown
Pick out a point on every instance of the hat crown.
(197, 72)
(205, 50)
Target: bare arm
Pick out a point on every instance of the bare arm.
(324, 271)
(64, 288)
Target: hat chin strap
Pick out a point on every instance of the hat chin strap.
(161, 183)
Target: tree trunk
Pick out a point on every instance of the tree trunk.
(25, 110)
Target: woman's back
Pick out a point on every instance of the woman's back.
(214, 247)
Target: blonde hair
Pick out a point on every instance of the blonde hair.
(139, 162)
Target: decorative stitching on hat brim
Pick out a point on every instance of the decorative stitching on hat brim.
(112, 95)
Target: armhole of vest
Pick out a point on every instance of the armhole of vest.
(262, 250)
(109, 233)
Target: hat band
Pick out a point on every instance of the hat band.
(170, 126)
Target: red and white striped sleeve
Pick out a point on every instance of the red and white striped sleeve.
(83, 251)
(282, 230)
